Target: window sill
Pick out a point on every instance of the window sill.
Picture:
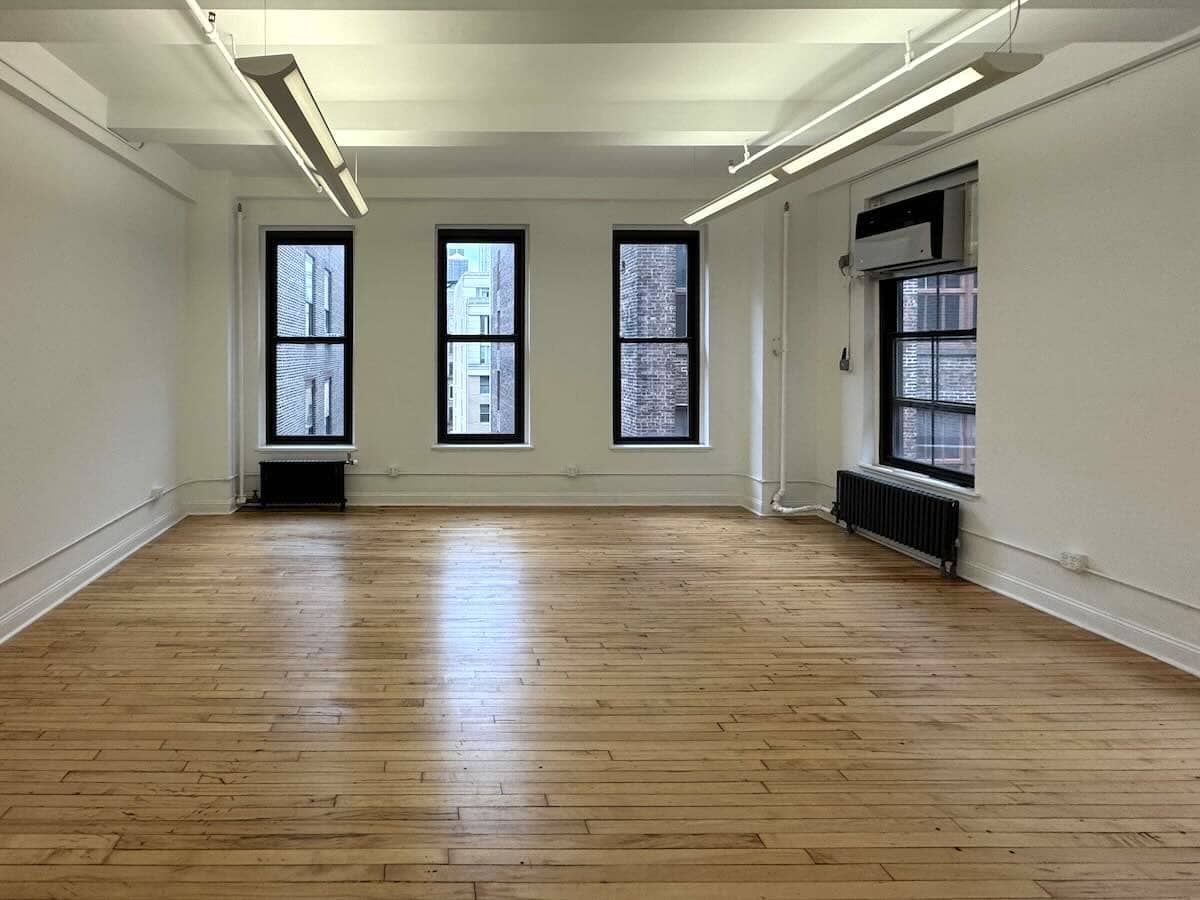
(482, 447)
(923, 481)
(691, 448)
(306, 448)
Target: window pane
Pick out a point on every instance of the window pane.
(912, 436)
(480, 388)
(954, 441)
(304, 373)
(959, 298)
(654, 301)
(654, 390)
(481, 288)
(918, 304)
(914, 369)
(311, 298)
(956, 369)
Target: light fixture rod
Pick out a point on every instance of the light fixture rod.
(209, 29)
(909, 65)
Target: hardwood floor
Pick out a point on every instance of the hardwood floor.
(599, 704)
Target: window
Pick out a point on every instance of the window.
(656, 337)
(927, 375)
(327, 299)
(299, 363)
(481, 334)
(310, 309)
(310, 407)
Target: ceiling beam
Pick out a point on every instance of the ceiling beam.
(465, 124)
(834, 26)
(574, 6)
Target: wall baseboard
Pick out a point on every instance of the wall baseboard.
(211, 507)
(1164, 647)
(1134, 635)
(29, 611)
(541, 498)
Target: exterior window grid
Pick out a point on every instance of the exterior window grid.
(508, 414)
(931, 332)
(280, 346)
(672, 303)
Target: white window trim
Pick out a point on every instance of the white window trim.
(923, 481)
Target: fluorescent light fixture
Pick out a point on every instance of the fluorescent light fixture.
(988, 70)
(909, 65)
(725, 201)
(880, 124)
(207, 23)
(280, 85)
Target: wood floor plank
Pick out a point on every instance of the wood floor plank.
(576, 704)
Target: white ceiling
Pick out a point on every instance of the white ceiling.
(537, 87)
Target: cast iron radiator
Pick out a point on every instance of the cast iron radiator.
(924, 522)
(302, 482)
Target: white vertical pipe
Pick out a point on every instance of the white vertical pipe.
(240, 350)
(777, 500)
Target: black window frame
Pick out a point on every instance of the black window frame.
(891, 334)
(446, 237)
(691, 239)
(274, 239)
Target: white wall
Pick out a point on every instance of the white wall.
(92, 263)
(1089, 353)
(569, 359)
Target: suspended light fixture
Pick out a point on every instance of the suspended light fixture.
(987, 71)
(303, 132)
(281, 86)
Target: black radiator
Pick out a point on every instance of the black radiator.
(302, 482)
(924, 522)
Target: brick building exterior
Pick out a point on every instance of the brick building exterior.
(481, 377)
(945, 439)
(310, 379)
(654, 377)
(504, 360)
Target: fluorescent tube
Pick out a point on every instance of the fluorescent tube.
(987, 71)
(735, 196)
(883, 121)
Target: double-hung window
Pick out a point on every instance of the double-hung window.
(481, 336)
(656, 337)
(327, 299)
(310, 300)
(927, 374)
(308, 374)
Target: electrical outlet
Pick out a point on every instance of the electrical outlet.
(156, 492)
(1073, 562)
(394, 471)
(571, 471)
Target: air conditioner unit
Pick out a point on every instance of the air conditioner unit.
(923, 230)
